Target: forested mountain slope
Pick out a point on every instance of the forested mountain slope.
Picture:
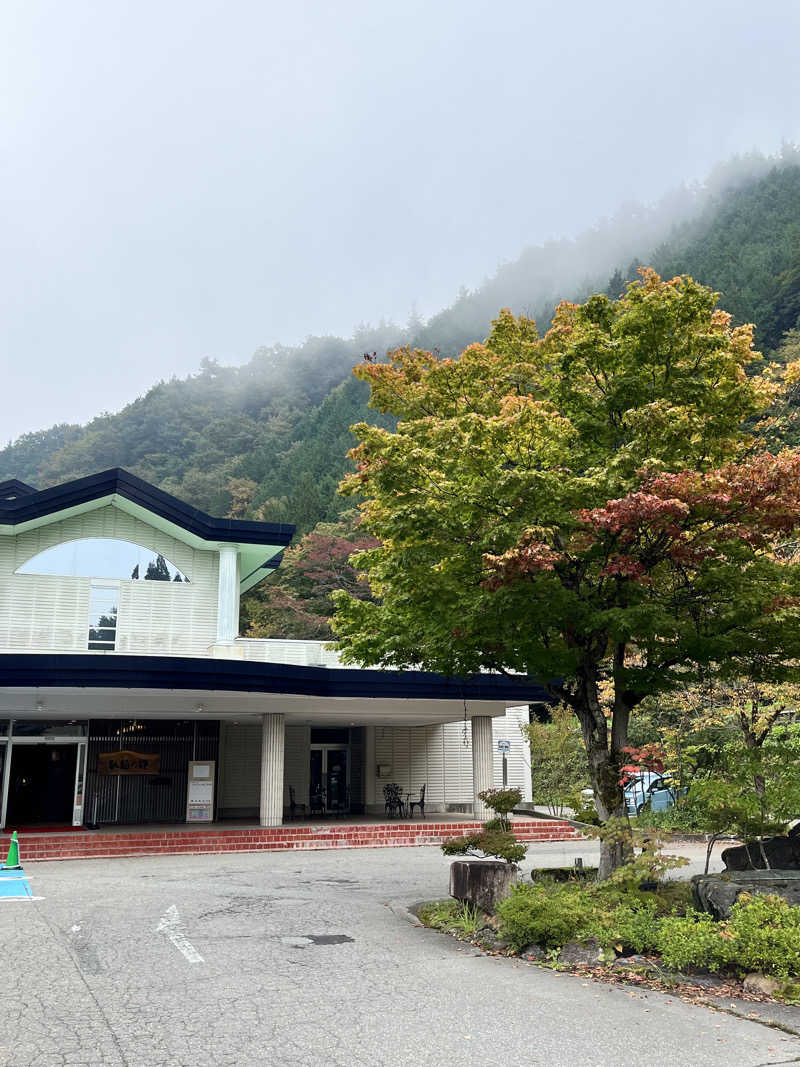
(269, 438)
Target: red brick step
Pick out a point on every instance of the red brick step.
(103, 844)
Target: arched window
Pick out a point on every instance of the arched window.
(104, 557)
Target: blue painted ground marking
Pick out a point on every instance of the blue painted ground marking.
(13, 883)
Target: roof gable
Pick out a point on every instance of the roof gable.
(260, 543)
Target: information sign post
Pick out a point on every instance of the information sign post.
(200, 791)
(504, 746)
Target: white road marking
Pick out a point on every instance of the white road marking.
(74, 929)
(171, 925)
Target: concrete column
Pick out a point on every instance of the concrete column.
(369, 768)
(228, 593)
(482, 763)
(273, 742)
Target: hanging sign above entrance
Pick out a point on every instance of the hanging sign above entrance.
(128, 763)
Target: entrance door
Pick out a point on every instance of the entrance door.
(41, 788)
(329, 777)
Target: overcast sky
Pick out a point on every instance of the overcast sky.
(190, 178)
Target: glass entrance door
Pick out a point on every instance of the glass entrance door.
(43, 768)
(42, 785)
(329, 778)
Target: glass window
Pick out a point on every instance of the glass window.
(103, 618)
(104, 557)
(329, 735)
(3, 727)
(49, 728)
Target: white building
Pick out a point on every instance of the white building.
(121, 665)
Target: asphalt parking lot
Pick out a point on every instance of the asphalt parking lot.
(306, 958)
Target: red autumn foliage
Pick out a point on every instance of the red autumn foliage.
(645, 758)
(682, 519)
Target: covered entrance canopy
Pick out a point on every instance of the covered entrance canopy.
(232, 686)
(273, 699)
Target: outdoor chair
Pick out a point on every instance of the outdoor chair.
(417, 804)
(293, 805)
(316, 804)
(393, 800)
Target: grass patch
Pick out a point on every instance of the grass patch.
(452, 917)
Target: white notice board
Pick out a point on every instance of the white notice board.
(200, 791)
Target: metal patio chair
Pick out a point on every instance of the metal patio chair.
(393, 801)
(293, 805)
(417, 804)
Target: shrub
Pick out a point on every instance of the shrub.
(690, 940)
(495, 838)
(684, 816)
(583, 809)
(635, 924)
(498, 843)
(763, 934)
(558, 760)
(549, 915)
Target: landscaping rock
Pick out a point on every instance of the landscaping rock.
(717, 893)
(564, 874)
(761, 983)
(783, 853)
(481, 882)
(582, 954)
(533, 952)
(639, 964)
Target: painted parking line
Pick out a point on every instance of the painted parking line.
(170, 924)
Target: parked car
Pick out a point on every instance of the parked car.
(648, 789)
(652, 790)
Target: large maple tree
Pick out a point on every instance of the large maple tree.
(586, 509)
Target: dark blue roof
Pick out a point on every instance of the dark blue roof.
(13, 488)
(28, 504)
(79, 670)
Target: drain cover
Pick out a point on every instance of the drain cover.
(328, 939)
(304, 940)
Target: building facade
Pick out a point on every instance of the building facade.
(123, 676)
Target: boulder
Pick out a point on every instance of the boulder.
(717, 893)
(582, 953)
(783, 853)
(481, 882)
(760, 983)
(533, 952)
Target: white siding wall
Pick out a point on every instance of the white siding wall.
(298, 653)
(436, 756)
(297, 763)
(239, 768)
(43, 612)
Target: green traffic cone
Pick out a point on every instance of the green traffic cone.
(12, 860)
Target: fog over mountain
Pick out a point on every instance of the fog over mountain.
(198, 179)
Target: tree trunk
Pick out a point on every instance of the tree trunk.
(603, 763)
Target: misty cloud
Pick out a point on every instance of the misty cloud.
(199, 178)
